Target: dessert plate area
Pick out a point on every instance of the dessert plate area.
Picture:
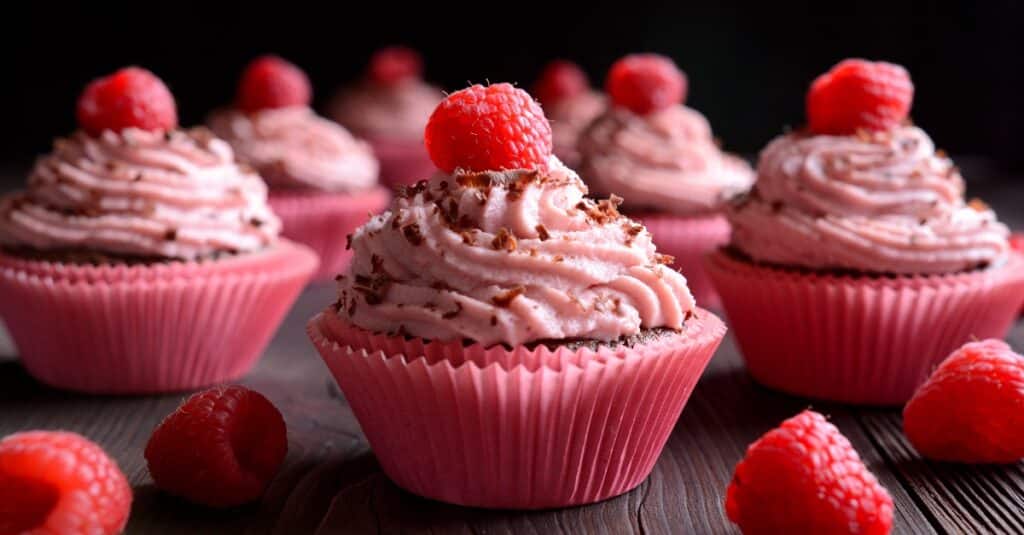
(331, 483)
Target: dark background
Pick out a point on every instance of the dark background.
(748, 65)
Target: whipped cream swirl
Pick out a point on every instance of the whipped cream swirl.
(509, 257)
(569, 117)
(377, 111)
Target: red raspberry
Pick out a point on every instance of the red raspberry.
(805, 477)
(1017, 241)
(858, 94)
(560, 80)
(646, 83)
(972, 408)
(395, 64)
(488, 128)
(220, 448)
(60, 482)
(129, 98)
(271, 82)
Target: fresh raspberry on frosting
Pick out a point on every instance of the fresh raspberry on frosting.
(859, 95)
(395, 64)
(272, 82)
(560, 80)
(646, 83)
(972, 408)
(488, 128)
(130, 98)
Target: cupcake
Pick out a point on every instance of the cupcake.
(390, 107)
(503, 340)
(569, 103)
(660, 157)
(322, 179)
(142, 258)
(855, 264)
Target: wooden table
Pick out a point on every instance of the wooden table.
(332, 484)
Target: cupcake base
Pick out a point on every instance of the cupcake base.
(140, 329)
(689, 239)
(859, 339)
(322, 221)
(515, 428)
(402, 163)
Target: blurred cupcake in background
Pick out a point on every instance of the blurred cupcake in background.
(140, 257)
(855, 264)
(569, 103)
(389, 108)
(660, 157)
(323, 180)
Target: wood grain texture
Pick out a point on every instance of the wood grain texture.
(331, 482)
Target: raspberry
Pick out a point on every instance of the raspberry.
(271, 82)
(805, 477)
(972, 408)
(395, 64)
(646, 83)
(129, 98)
(560, 80)
(220, 448)
(60, 482)
(488, 128)
(858, 94)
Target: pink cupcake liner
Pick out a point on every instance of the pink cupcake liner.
(515, 428)
(689, 240)
(860, 340)
(402, 163)
(121, 329)
(322, 221)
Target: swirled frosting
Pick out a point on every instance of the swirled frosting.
(294, 148)
(569, 117)
(666, 161)
(509, 257)
(882, 202)
(179, 195)
(398, 111)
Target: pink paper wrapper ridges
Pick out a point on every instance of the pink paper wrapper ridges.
(515, 429)
(689, 240)
(322, 221)
(147, 329)
(860, 340)
(402, 163)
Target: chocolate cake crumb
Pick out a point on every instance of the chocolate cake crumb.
(542, 232)
(451, 314)
(413, 234)
(505, 298)
(504, 240)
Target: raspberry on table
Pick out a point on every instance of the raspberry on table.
(220, 448)
(972, 407)
(271, 82)
(61, 483)
(130, 98)
(805, 477)
(646, 83)
(488, 128)
(560, 80)
(395, 64)
(859, 95)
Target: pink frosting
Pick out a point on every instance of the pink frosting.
(666, 161)
(177, 195)
(295, 148)
(509, 257)
(882, 202)
(569, 117)
(397, 111)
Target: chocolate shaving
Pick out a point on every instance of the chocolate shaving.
(452, 313)
(504, 240)
(542, 232)
(776, 206)
(376, 263)
(413, 234)
(474, 180)
(468, 237)
(441, 285)
(559, 258)
(373, 288)
(256, 222)
(505, 298)
(171, 234)
(351, 308)
(978, 205)
(348, 242)
(494, 320)
(665, 259)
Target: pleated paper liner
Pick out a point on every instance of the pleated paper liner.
(402, 162)
(689, 240)
(859, 339)
(519, 428)
(322, 221)
(149, 328)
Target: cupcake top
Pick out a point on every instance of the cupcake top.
(862, 190)
(130, 184)
(503, 246)
(273, 129)
(653, 151)
(392, 101)
(569, 103)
